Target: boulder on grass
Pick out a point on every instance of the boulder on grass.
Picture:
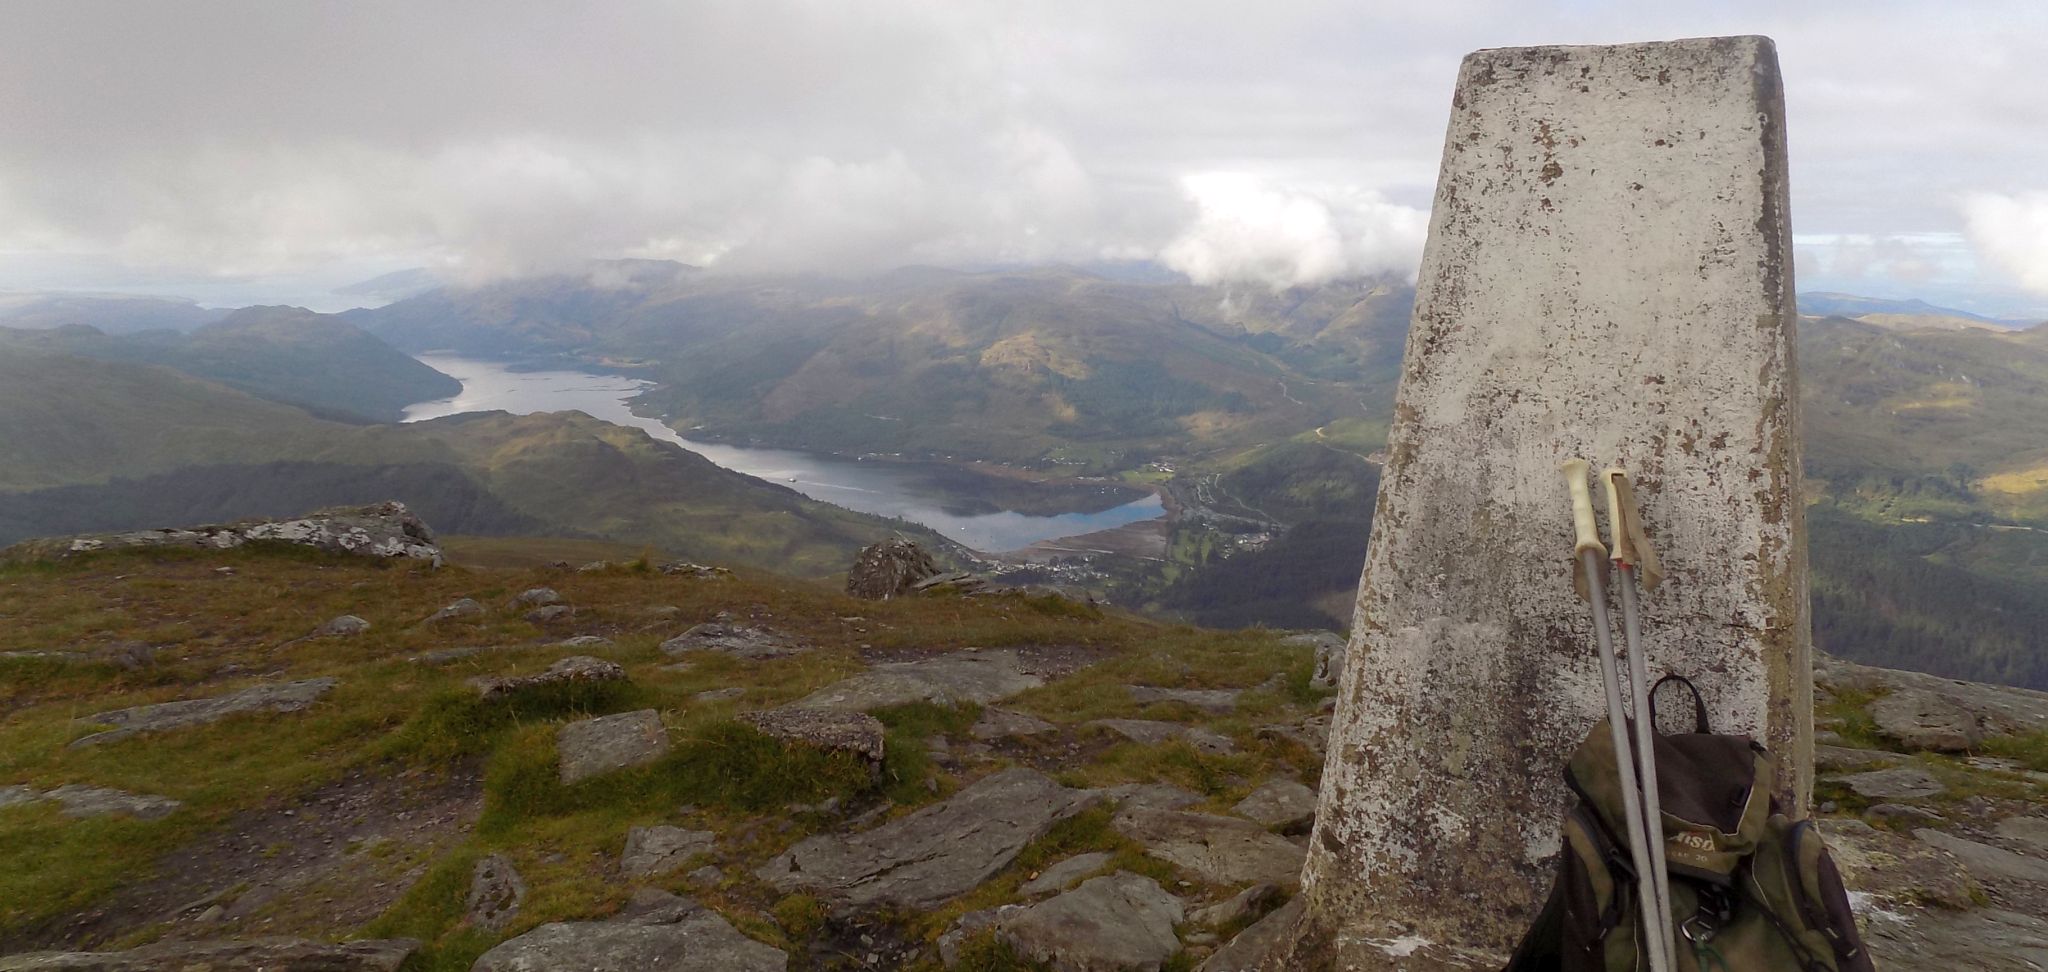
(614, 742)
(889, 569)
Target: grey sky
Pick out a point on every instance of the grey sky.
(260, 150)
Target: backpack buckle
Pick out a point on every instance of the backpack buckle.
(1698, 929)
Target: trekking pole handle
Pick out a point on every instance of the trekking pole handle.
(1575, 471)
(1620, 507)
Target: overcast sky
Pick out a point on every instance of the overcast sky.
(270, 150)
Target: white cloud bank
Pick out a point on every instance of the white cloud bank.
(2011, 233)
(1247, 231)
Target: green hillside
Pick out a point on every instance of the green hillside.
(121, 446)
(285, 354)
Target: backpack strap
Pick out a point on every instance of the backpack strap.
(1699, 704)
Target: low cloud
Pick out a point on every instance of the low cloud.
(1248, 231)
(2011, 233)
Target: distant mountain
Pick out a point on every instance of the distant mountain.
(1900, 314)
(285, 354)
(1053, 364)
(396, 285)
(103, 445)
(111, 313)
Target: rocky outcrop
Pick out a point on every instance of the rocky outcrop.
(1059, 876)
(1329, 663)
(889, 569)
(573, 670)
(1282, 805)
(342, 626)
(934, 855)
(79, 800)
(1996, 710)
(460, 609)
(738, 640)
(657, 931)
(1923, 720)
(496, 891)
(1151, 732)
(1113, 923)
(832, 730)
(596, 746)
(1211, 701)
(1219, 850)
(997, 724)
(959, 677)
(653, 851)
(254, 955)
(377, 530)
(277, 697)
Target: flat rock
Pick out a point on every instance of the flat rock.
(94, 801)
(2030, 831)
(1896, 869)
(952, 679)
(1985, 862)
(720, 695)
(1249, 949)
(1924, 720)
(606, 743)
(1150, 732)
(1977, 940)
(460, 609)
(1829, 759)
(1116, 922)
(1312, 734)
(549, 614)
(1157, 796)
(496, 892)
(15, 794)
(659, 850)
(537, 597)
(933, 855)
(738, 640)
(1247, 903)
(830, 729)
(681, 936)
(344, 626)
(1998, 709)
(1059, 876)
(1212, 701)
(1897, 783)
(1283, 805)
(1219, 850)
(442, 656)
(1004, 724)
(270, 697)
(252, 955)
(583, 641)
(573, 670)
(1329, 663)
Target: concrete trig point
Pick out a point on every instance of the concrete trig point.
(1609, 276)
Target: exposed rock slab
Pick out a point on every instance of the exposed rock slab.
(2030, 831)
(1979, 940)
(1897, 783)
(343, 626)
(1897, 869)
(1250, 949)
(889, 568)
(1116, 922)
(606, 743)
(271, 697)
(377, 530)
(951, 679)
(833, 730)
(549, 614)
(537, 597)
(1059, 876)
(1283, 805)
(583, 641)
(1212, 701)
(678, 936)
(1998, 709)
(738, 640)
(94, 801)
(1244, 904)
(1985, 862)
(931, 856)
(1220, 850)
(496, 891)
(1004, 724)
(253, 955)
(1925, 720)
(573, 670)
(1151, 732)
(1827, 758)
(1157, 796)
(658, 850)
(460, 609)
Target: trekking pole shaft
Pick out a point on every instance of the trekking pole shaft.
(1658, 879)
(1655, 925)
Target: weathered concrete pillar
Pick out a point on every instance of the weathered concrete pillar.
(1608, 275)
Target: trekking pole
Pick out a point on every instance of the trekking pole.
(1592, 557)
(1633, 556)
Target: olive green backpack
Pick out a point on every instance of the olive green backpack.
(1752, 890)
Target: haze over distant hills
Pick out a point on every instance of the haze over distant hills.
(1255, 413)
